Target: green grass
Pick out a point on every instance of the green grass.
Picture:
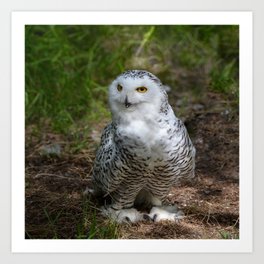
(228, 235)
(52, 222)
(68, 68)
(89, 224)
(91, 228)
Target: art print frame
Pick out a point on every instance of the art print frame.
(20, 19)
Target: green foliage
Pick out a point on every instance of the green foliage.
(52, 221)
(68, 68)
(228, 235)
(223, 79)
(91, 228)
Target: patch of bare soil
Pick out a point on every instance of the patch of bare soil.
(56, 178)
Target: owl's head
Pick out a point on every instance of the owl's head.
(136, 91)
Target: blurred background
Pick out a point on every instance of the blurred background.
(68, 70)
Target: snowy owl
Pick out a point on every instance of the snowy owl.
(144, 151)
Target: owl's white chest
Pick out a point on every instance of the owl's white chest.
(148, 132)
(150, 135)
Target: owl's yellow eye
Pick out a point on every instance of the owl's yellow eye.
(119, 88)
(142, 89)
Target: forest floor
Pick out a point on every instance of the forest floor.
(56, 177)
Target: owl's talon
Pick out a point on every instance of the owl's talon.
(146, 217)
(127, 219)
(155, 218)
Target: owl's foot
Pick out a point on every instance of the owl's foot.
(169, 213)
(88, 192)
(124, 215)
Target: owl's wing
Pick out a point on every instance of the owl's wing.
(106, 166)
(186, 151)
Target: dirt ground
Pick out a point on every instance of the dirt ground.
(56, 207)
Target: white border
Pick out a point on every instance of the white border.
(20, 19)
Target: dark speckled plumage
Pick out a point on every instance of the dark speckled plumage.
(126, 164)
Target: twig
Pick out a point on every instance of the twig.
(58, 176)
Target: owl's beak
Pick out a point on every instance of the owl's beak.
(127, 103)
